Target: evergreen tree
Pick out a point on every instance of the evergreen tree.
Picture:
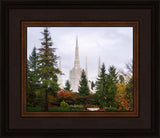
(47, 66)
(32, 77)
(33, 59)
(121, 79)
(101, 87)
(92, 85)
(30, 87)
(83, 88)
(111, 82)
(32, 66)
(67, 86)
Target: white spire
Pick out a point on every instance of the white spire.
(99, 67)
(76, 60)
(60, 68)
(86, 69)
(60, 76)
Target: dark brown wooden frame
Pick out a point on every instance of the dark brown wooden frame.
(146, 12)
(134, 24)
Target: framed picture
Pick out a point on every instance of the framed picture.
(80, 68)
(112, 94)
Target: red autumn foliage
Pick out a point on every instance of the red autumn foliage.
(68, 97)
(63, 94)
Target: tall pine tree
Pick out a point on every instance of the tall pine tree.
(101, 87)
(32, 77)
(30, 86)
(33, 59)
(67, 86)
(47, 66)
(83, 88)
(32, 67)
(111, 82)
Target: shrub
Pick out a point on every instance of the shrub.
(87, 99)
(64, 105)
(58, 109)
(93, 106)
(76, 108)
(111, 109)
(69, 97)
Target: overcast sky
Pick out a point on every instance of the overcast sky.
(114, 46)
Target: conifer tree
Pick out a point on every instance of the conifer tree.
(33, 59)
(83, 88)
(32, 66)
(121, 79)
(30, 86)
(67, 86)
(111, 82)
(101, 87)
(32, 77)
(92, 85)
(47, 66)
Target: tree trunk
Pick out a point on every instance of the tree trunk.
(46, 101)
(46, 96)
(46, 93)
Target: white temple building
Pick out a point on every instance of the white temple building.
(75, 72)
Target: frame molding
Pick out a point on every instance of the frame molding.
(152, 5)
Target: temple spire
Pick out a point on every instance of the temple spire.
(76, 60)
(99, 67)
(86, 69)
